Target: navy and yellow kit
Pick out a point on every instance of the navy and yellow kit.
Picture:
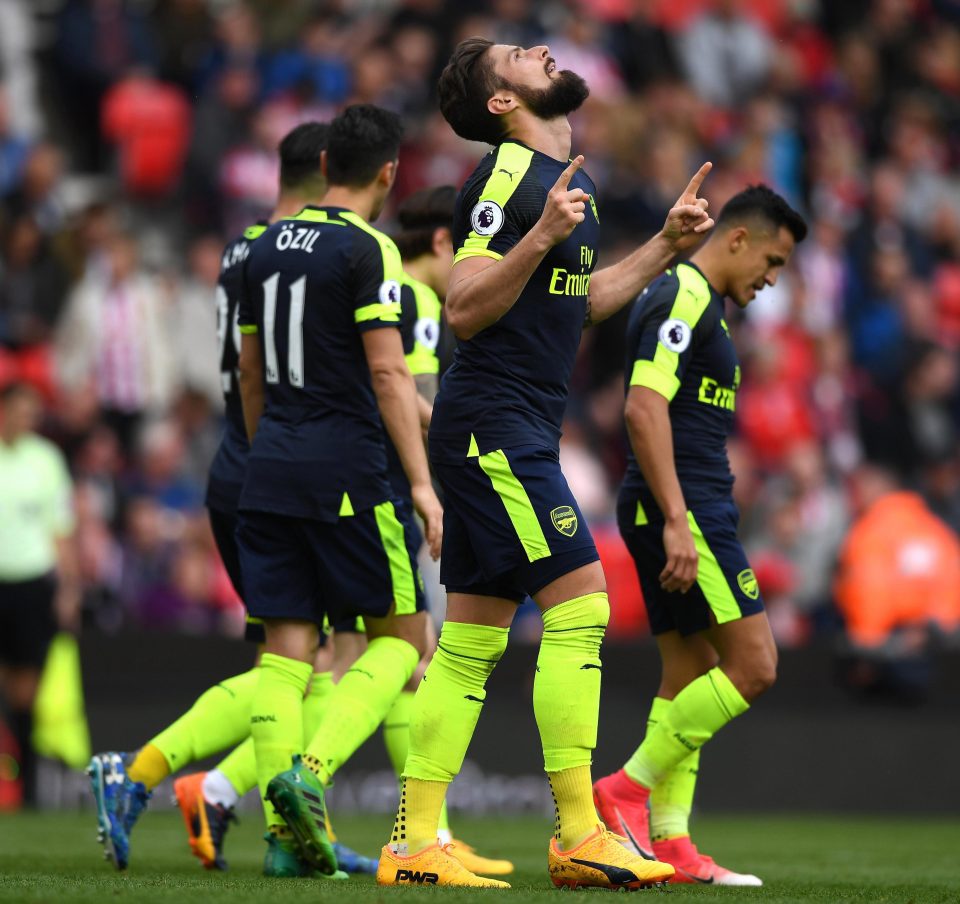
(420, 312)
(319, 532)
(511, 524)
(230, 462)
(678, 345)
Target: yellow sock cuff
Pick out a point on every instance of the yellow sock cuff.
(576, 815)
(657, 708)
(730, 698)
(292, 671)
(566, 688)
(149, 766)
(418, 814)
(584, 612)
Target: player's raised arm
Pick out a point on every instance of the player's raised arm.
(685, 227)
(482, 289)
(397, 399)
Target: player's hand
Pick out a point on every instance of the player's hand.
(688, 220)
(431, 512)
(681, 569)
(564, 208)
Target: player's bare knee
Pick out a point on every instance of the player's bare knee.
(411, 629)
(752, 678)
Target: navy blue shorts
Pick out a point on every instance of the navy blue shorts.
(224, 526)
(298, 568)
(726, 588)
(510, 523)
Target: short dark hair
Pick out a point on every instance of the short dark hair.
(762, 202)
(17, 388)
(420, 215)
(362, 139)
(300, 153)
(466, 84)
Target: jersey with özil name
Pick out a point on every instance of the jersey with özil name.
(230, 462)
(678, 345)
(314, 283)
(507, 385)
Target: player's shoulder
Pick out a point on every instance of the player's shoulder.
(419, 294)
(659, 295)
(236, 251)
(509, 170)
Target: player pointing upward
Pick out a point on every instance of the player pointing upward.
(526, 232)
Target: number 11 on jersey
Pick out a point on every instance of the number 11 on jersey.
(298, 291)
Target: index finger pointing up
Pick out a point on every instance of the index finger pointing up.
(697, 180)
(564, 179)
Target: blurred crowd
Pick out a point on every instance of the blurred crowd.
(136, 136)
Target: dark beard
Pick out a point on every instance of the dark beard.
(567, 92)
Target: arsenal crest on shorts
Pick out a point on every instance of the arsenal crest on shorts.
(564, 519)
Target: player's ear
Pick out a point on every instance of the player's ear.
(503, 101)
(442, 241)
(323, 163)
(388, 172)
(738, 239)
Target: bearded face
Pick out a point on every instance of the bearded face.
(566, 93)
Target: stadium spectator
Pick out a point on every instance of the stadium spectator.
(898, 586)
(115, 334)
(149, 122)
(14, 146)
(725, 54)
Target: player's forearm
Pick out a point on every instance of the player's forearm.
(250, 379)
(252, 397)
(479, 300)
(424, 410)
(397, 400)
(427, 385)
(651, 438)
(617, 285)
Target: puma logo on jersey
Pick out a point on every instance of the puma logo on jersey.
(510, 173)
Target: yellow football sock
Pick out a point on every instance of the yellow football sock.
(415, 827)
(358, 703)
(239, 767)
(218, 720)
(149, 766)
(445, 712)
(576, 815)
(671, 799)
(700, 710)
(566, 702)
(276, 720)
(315, 702)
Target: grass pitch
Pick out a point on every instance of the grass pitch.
(52, 857)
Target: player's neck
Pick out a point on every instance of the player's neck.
(708, 264)
(289, 205)
(362, 201)
(420, 269)
(552, 137)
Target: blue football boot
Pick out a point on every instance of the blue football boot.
(351, 862)
(119, 802)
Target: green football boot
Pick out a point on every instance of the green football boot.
(283, 861)
(297, 795)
